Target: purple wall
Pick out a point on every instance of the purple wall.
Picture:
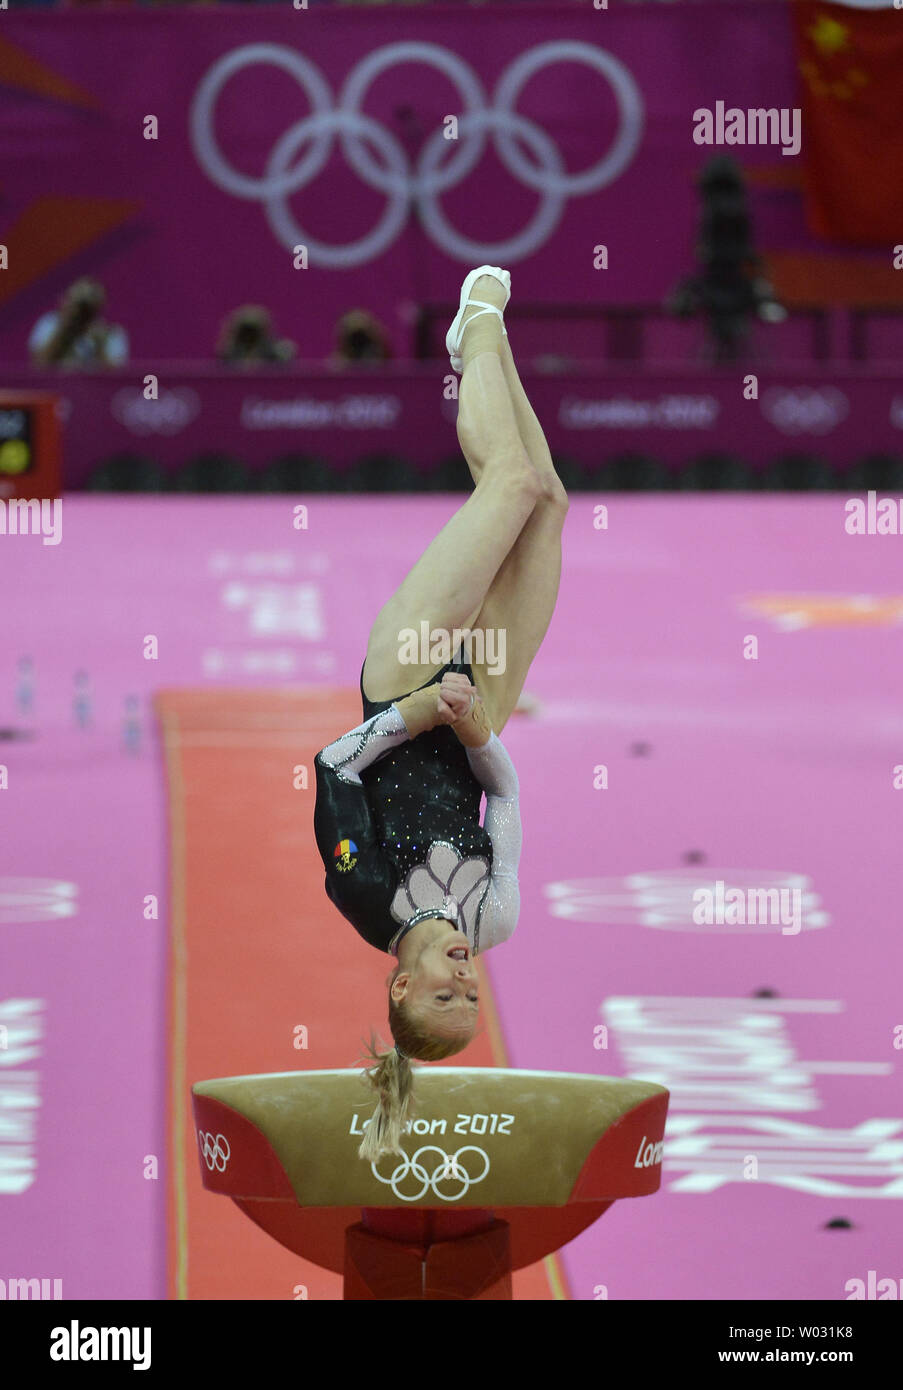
(191, 249)
(589, 416)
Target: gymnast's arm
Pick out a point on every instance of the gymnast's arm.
(364, 744)
(342, 810)
(494, 770)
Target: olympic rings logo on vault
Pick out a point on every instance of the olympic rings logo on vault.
(447, 1169)
(391, 172)
(215, 1150)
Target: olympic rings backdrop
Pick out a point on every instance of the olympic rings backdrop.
(324, 128)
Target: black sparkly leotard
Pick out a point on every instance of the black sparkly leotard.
(397, 824)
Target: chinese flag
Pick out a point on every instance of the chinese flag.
(851, 66)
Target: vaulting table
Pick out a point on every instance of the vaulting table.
(500, 1168)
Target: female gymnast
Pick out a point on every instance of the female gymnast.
(397, 818)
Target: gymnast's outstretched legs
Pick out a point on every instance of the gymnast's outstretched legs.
(521, 598)
(448, 586)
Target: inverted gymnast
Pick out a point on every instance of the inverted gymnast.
(397, 818)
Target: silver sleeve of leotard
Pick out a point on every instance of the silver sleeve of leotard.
(493, 768)
(363, 745)
(502, 823)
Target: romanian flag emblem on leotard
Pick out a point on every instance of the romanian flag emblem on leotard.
(344, 855)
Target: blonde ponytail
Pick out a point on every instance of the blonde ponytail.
(392, 1078)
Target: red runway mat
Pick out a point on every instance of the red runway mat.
(259, 953)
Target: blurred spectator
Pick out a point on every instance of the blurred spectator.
(360, 337)
(247, 336)
(75, 334)
(729, 288)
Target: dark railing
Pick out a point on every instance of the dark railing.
(623, 328)
(862, 320)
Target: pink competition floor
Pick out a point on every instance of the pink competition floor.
(774, 772)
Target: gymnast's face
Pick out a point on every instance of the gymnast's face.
(438, 979)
